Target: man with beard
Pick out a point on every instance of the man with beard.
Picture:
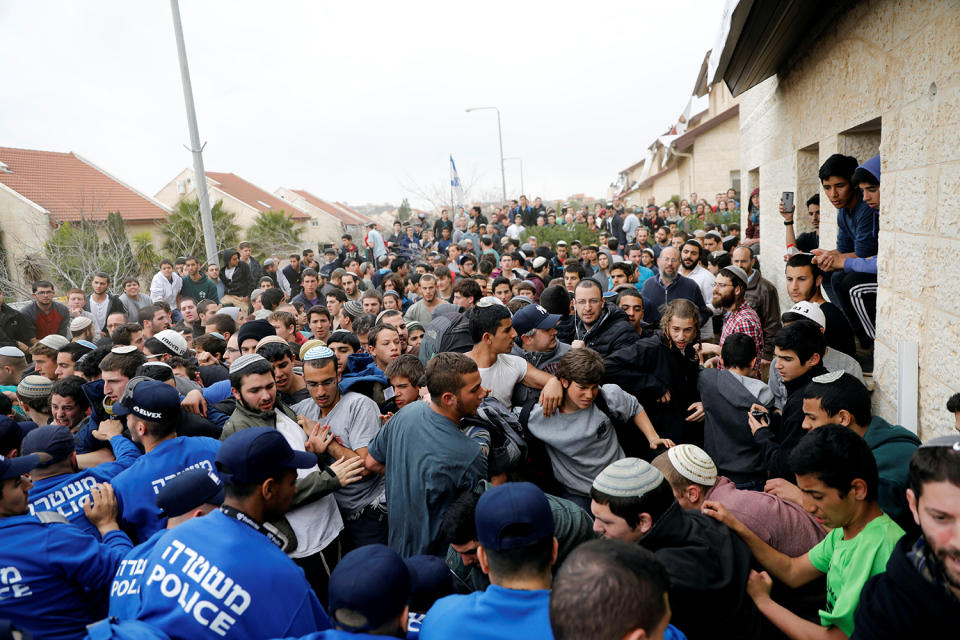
(919, 594)
(729, 295)
(312, 528)
(429, 460)
(762, 296)
(691, 267)
(197, 285)
(670, 285)
(803, 283)
(353, 420)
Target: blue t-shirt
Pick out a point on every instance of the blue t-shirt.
(492, 614)
(429, 463)
(52, 575)
(68, 492)
(137, 487)
(858, 229)
(125, 588)
(216, 577)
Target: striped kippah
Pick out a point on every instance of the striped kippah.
(830, 377)
(318, 353)
(627, 478)
(35, 387)
(693, 463)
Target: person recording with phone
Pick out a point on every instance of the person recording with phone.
(805, 242)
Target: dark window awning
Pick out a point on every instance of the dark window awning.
(760, 38)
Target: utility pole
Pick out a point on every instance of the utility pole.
(199, 175)
(503, 175)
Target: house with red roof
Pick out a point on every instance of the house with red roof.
(40, 190)
(341, 217)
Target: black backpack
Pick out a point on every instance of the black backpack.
(508, 444)
(446, 332)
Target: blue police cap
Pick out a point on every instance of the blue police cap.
(149, 400)
(14, 467)
(430, 580)
(189, 490)
(56, 440)
(512, 516)
(533, 316)
(373, 581)
(256, 453)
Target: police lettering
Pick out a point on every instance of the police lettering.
(192, 580)
(159, 482)
(11, 586)
(67, 500)
(130, 571)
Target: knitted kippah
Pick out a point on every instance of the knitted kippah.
(80, 323)
(827, 378)
(353, 309)
(245, 361)
(270, 340)
(35, 387)
(627, 478)
(318, 353)
(310, 344)
(693, 463)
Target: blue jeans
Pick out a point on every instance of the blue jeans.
(367, 527)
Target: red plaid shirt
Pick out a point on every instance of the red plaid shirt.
(744, 320)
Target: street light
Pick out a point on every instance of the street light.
(520, 160)
(503, 175)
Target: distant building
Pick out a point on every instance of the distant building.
(40, 190)
(862, 78)
(333, 218)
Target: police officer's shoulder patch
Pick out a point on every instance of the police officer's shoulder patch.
(49, 517)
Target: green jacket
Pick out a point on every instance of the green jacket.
(571, 527)
(309, 488)
(205, 289)
(892, 447)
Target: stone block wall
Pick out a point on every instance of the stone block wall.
(899, 62)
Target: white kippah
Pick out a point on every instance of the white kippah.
(627, 478)
(245, 361)
(830, 377)
(123, 348)
(693, 463)
(318, 353)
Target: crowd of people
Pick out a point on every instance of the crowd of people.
(456, 430)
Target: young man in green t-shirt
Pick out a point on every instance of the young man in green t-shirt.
(837, 474)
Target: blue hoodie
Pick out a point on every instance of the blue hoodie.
(361, 368)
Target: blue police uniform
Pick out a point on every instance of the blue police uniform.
(67, 493)
(125, 588)
(137, 487)
(217, 577)
(494, 613)
(50, 570)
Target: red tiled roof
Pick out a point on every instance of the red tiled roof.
(67, 186)
(347, 216)
(253, 195)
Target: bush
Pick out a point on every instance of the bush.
(551, 234)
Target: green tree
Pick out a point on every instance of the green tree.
(403, 213)
(145, 255)
(274, 232)
(183, 232)
(559, 232)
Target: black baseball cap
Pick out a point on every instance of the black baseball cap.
(512, 516)
(256, 453)
(189, 490)
(150, 400)
(55, 440)
(373, 581)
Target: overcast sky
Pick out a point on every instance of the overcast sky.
(358, 101)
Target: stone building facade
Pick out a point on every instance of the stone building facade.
(882, 77)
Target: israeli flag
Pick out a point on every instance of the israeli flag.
(456, 189)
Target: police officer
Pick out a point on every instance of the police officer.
(191, 494)
(152, 412)
(225, 575)
(54, 575)
(58, 484)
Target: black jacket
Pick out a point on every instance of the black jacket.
(649, 368)
(15, 327)
(708, 567)
(241, 284)
(900, 603)
(114, 305)
(611, 332)
(785, 431)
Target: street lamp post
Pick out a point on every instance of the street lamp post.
(503, 175)
(520, 160)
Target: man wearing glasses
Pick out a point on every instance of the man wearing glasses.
(47, 315)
